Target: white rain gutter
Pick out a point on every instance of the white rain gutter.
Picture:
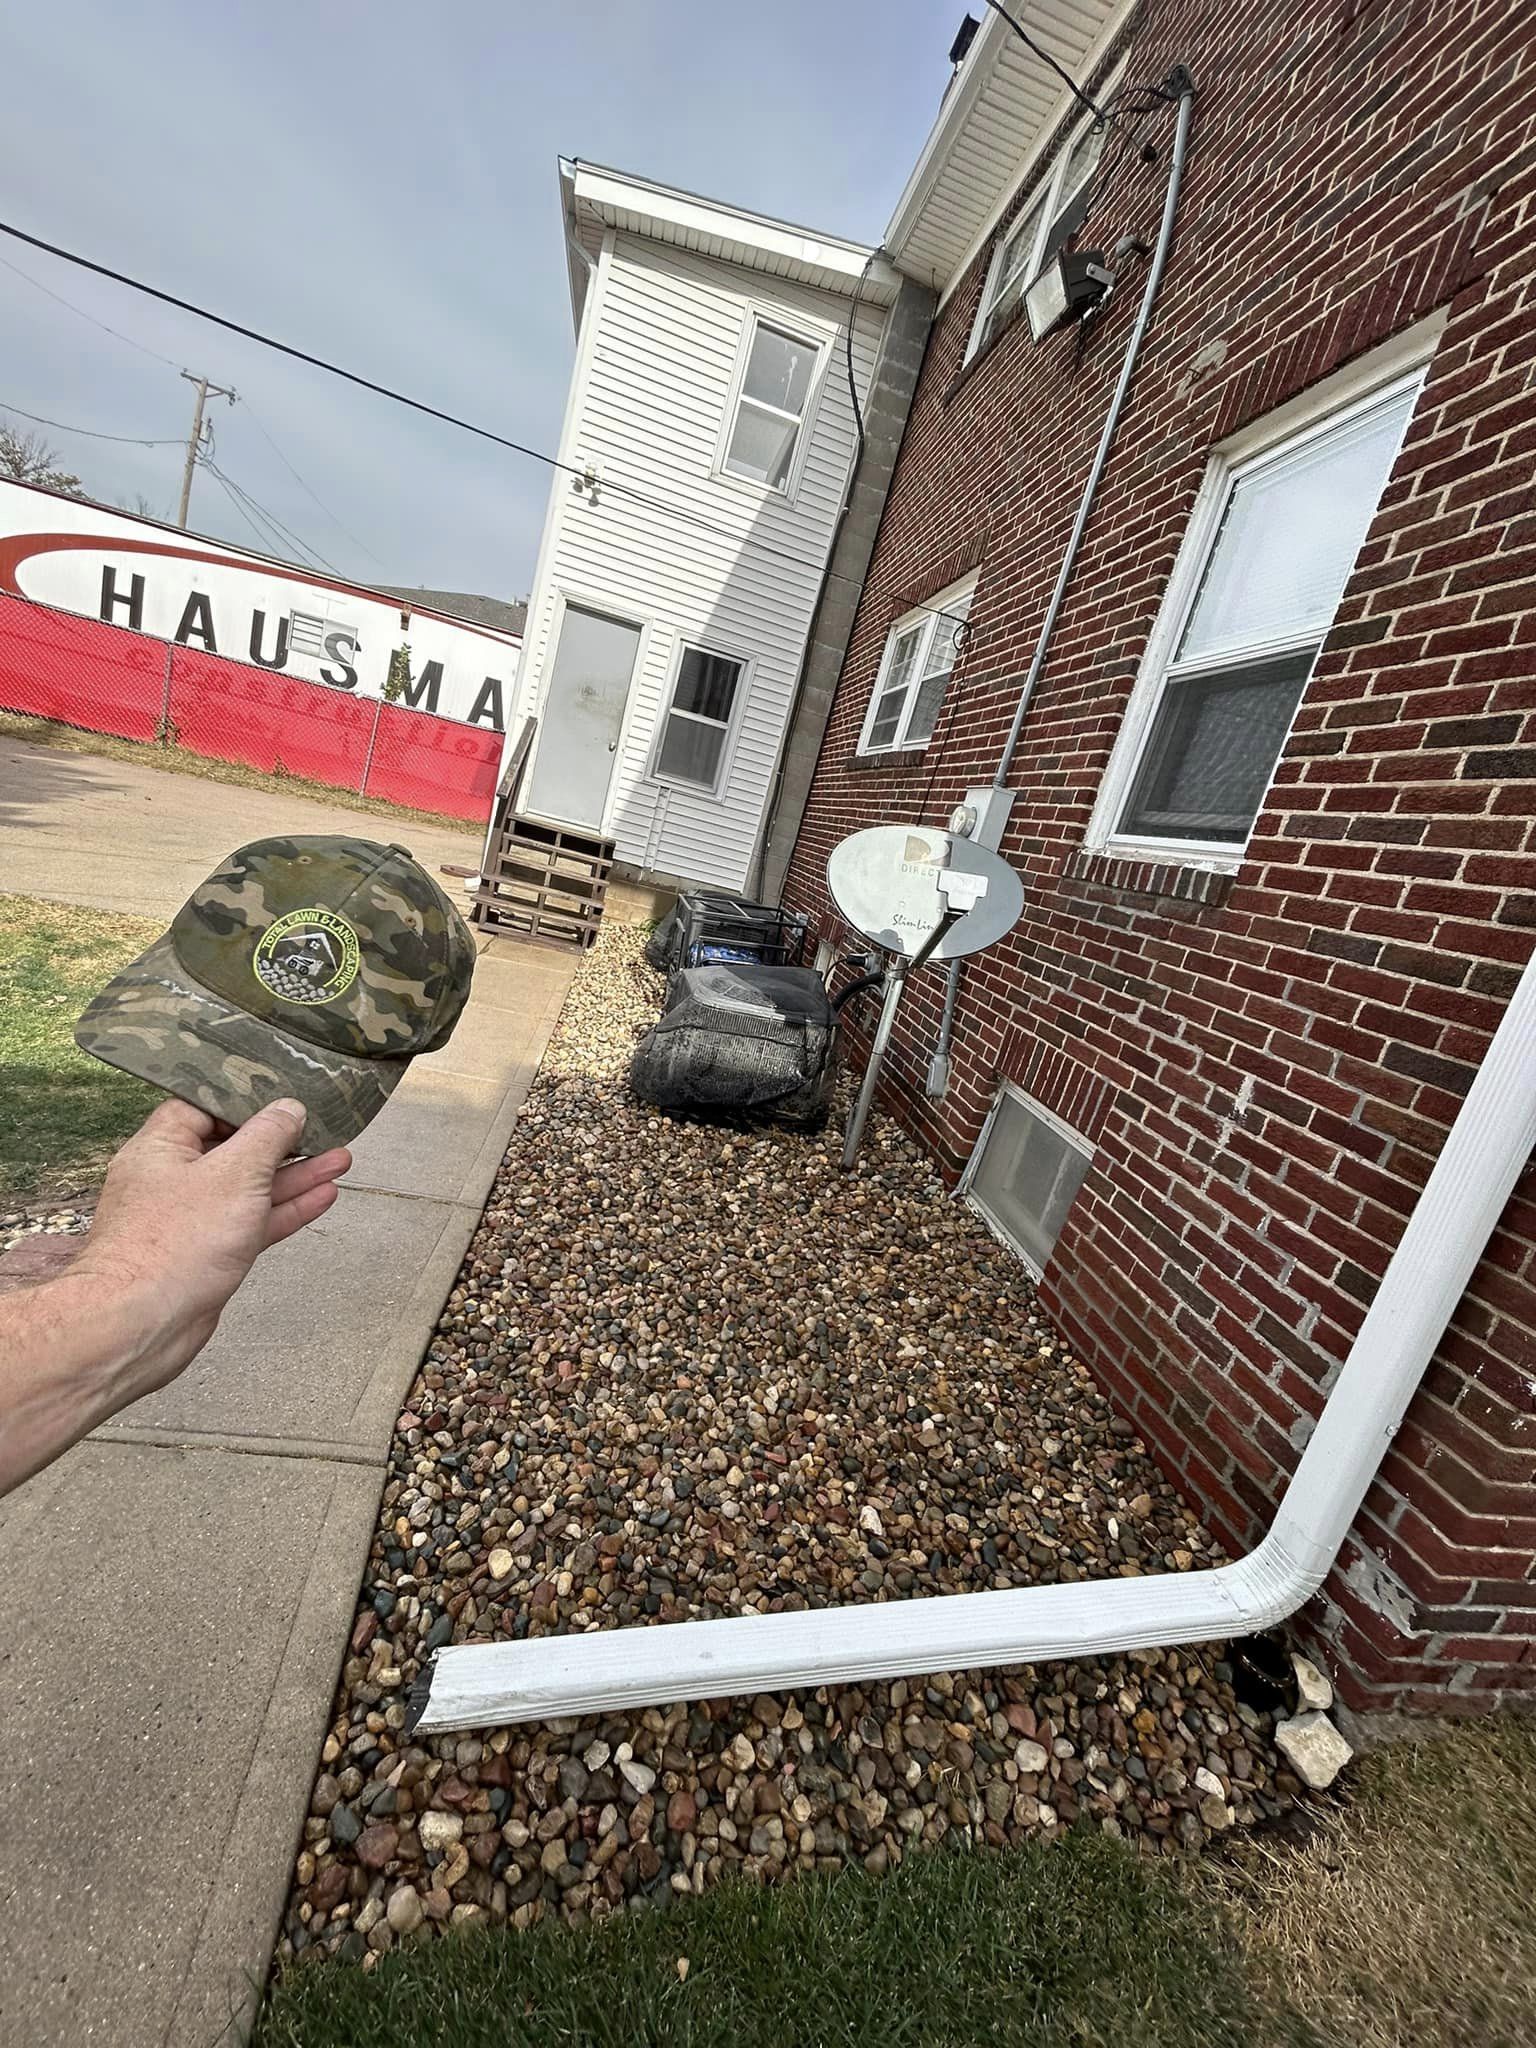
(1483, 1154)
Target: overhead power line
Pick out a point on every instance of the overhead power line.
(1046, 58)
(288, 541)
(155, 356)
(70, 306)
(605, 483)
(282, 458)
(90, 433)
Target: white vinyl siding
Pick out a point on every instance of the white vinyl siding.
(656, 387)
(1024, 1175)
(1270, 550)
(919, 659)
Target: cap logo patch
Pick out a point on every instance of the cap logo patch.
(309, 956)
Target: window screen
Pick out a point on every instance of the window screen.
(1290, 528)
(775, 386)
(1025, 1176)
(938, 666)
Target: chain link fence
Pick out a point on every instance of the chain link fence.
(108, 679)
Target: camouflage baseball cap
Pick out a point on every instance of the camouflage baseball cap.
(314, 968)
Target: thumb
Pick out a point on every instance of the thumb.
(265, 1140)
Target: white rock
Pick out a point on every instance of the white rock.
(405, 1910)
(501, 1563)
(439, 1830)
(1314, 1691)
(869, 1521)
(640, 1775)
(595, 1755)
(1209, 1782)
(1031, 1756)
(1316, 1749)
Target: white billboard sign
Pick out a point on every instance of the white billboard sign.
(202, 593)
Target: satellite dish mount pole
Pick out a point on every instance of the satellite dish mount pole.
(896, 973)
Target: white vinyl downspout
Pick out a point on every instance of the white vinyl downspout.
(1484, 1152)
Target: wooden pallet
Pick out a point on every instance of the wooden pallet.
(544, 881)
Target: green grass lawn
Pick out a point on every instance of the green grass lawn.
(1397, 1915)
(64, 1114)
(1405, 1919)
(1075, 1944)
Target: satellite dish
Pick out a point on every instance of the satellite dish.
(894, 883)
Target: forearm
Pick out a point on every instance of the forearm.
(70, 1355)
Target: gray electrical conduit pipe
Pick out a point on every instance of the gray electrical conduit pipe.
(1479, 1163)
(939, 1065)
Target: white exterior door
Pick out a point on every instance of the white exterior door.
(583, 712)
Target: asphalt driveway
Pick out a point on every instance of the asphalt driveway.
(79, 828)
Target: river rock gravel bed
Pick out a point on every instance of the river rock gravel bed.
(689, 1371)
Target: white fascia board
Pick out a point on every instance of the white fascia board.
(954, 111)
(1483, 1156)
(575, 257)
(957, 110)
(615, 192)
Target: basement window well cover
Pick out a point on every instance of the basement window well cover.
(1024, 1175)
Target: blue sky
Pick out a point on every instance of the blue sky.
(376, 183)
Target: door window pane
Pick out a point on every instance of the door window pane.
(779, 370)
(1213, 748)
(762, 445)
(1289, 537)
(1026, 1178)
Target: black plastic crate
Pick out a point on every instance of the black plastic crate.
(707, 926)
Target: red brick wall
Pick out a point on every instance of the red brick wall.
(1269, 1064)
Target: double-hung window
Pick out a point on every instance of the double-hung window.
(776, 381)
(691, 745)
(1270, 549)
(1049, 217)
(919, 658)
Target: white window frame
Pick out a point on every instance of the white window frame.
(811, 335)
(711, 791)
(1063, 1130)
(925, 617)
(1051, 188)
(1331, 405)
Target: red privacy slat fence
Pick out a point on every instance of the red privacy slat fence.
(107, 679)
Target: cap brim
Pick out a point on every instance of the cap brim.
(155, 1021)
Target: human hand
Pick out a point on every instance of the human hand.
(187, 1207)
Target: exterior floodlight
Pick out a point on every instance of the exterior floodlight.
(1069, 284)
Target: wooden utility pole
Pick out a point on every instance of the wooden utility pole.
(195, 444)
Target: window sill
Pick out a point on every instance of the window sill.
(983, 354)
(1170, 880)
(889, 757)
(706, 792)
(764, 493)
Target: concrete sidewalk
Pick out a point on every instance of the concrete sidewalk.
(179, 1588)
